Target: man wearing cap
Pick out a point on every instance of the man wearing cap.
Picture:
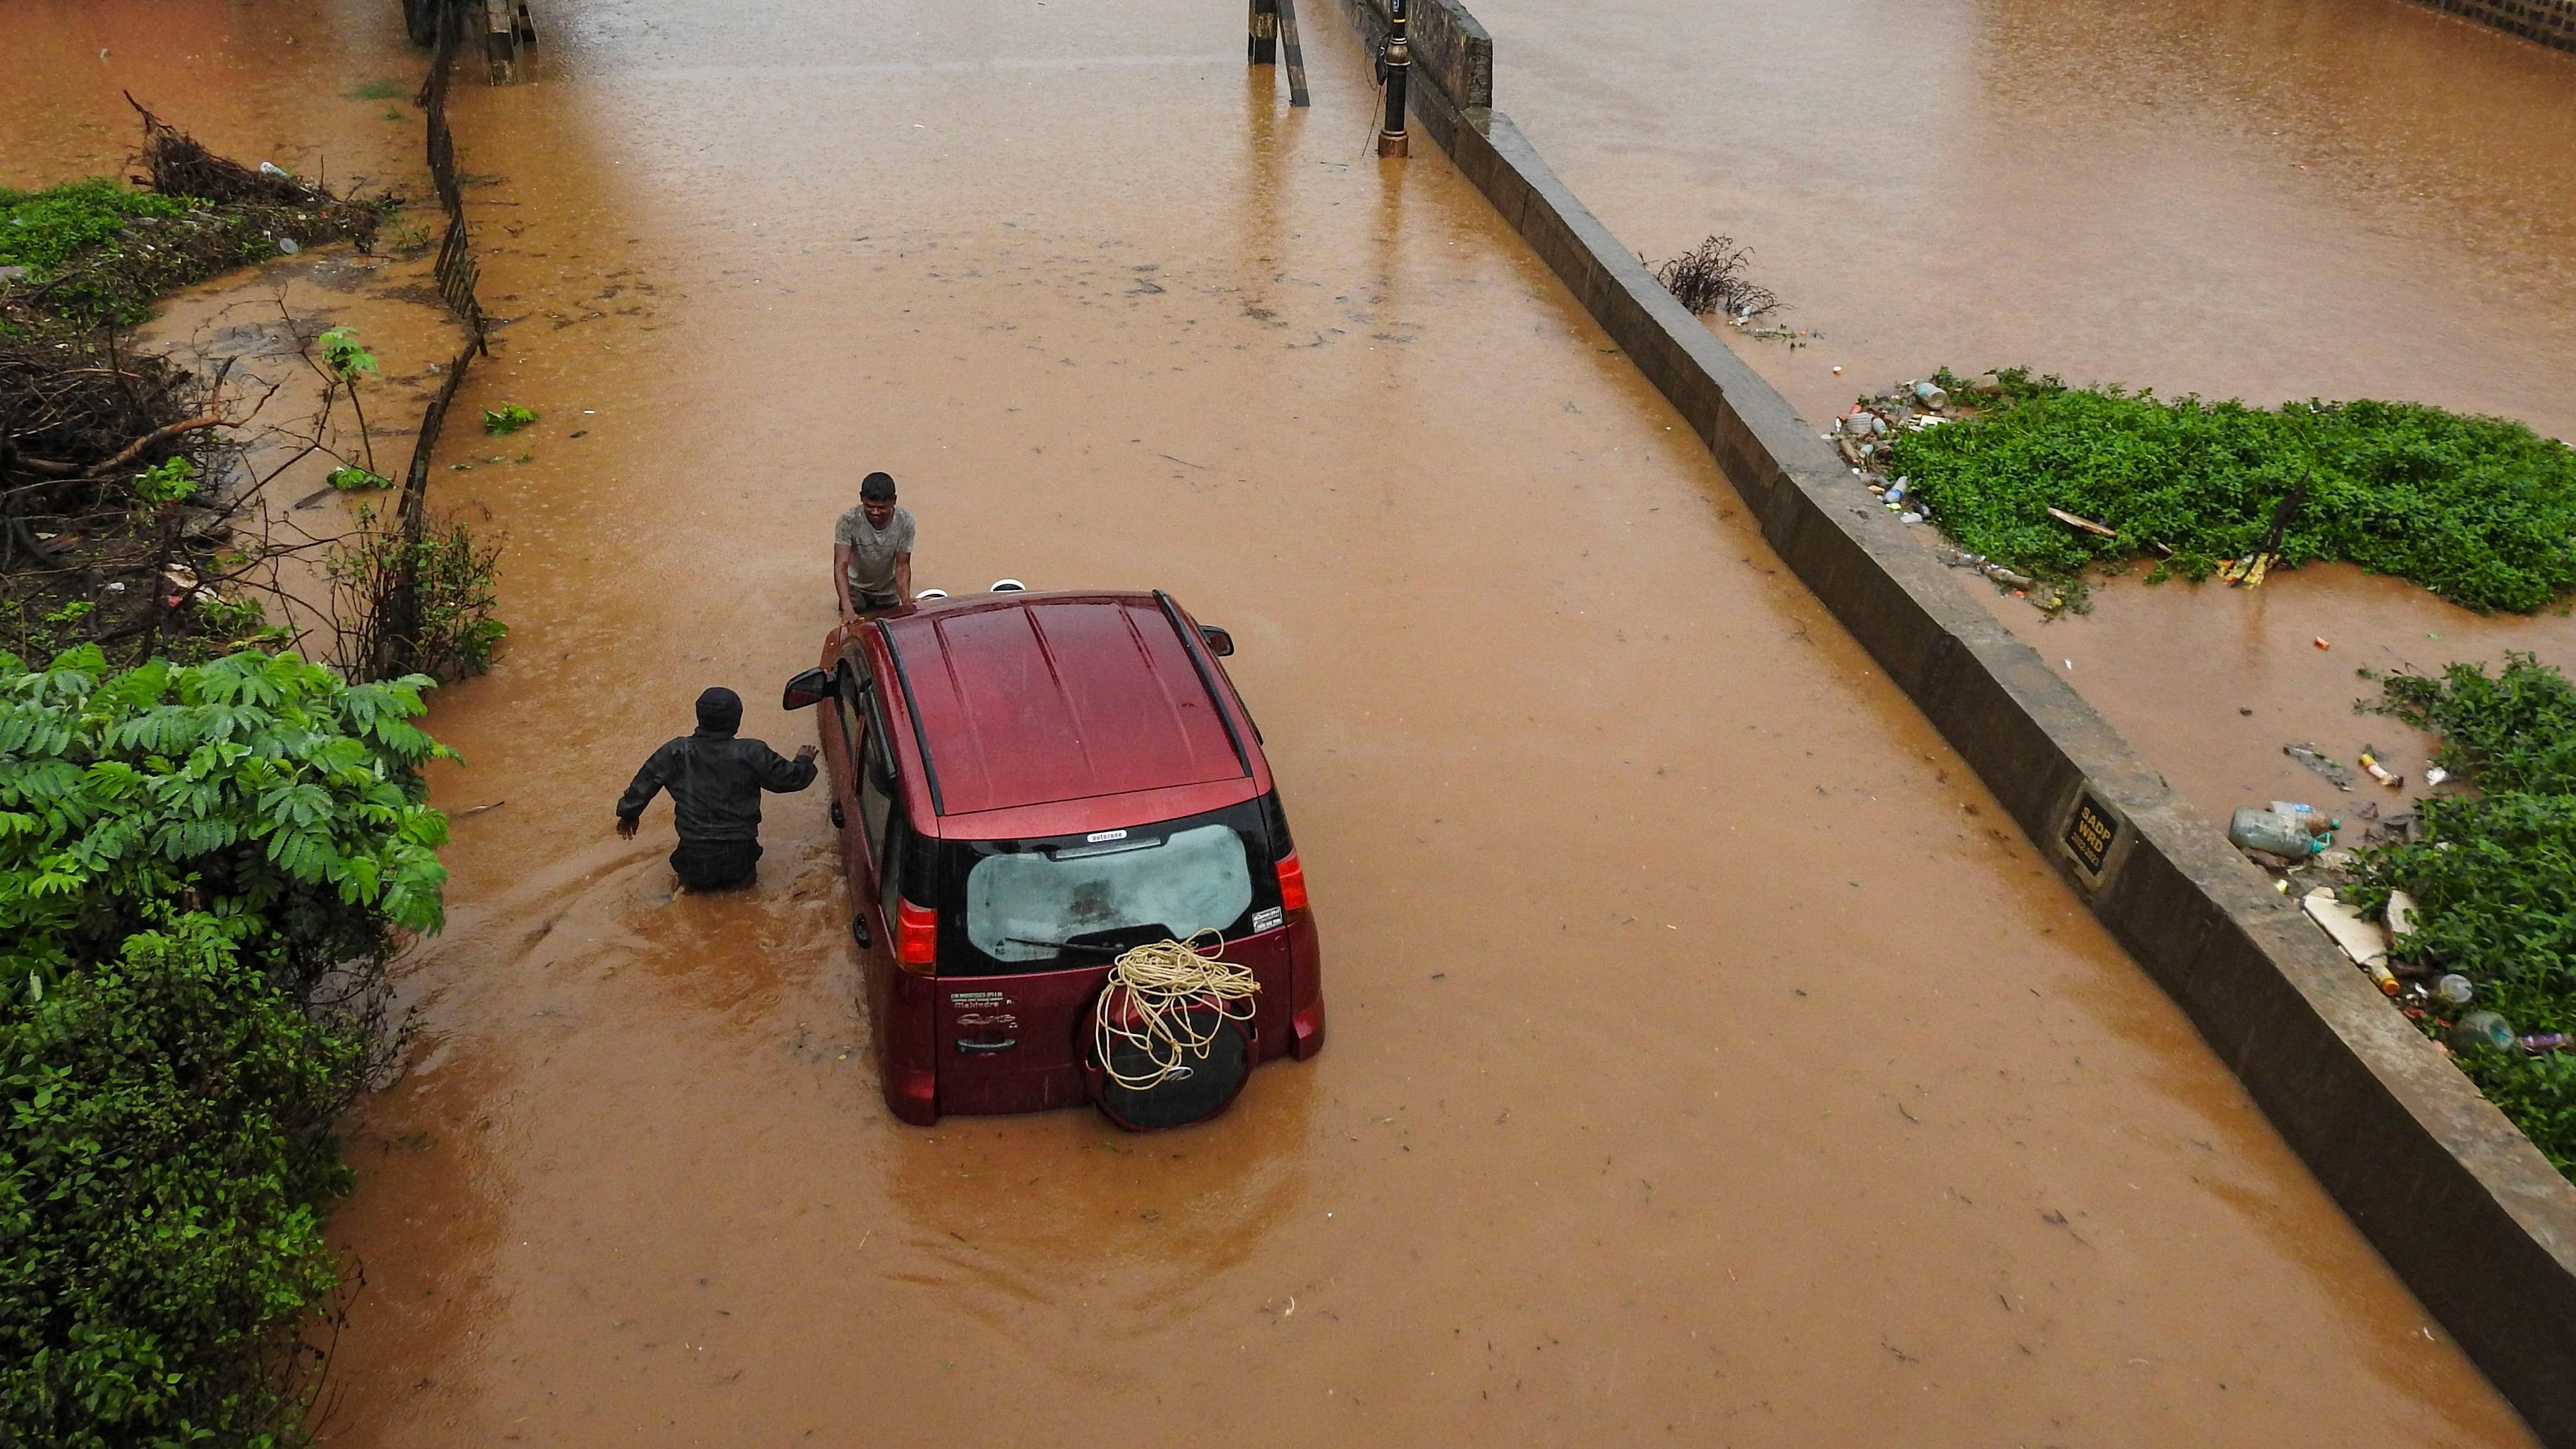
(715, 780)
(872, 551)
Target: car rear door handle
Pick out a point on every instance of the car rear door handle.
(1005, 1044)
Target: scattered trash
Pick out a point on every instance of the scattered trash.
(2455, 989)
(2485, 1031)
(271, 168)
(2309, 817)
(1931, 393)
(2435, 775)
(2364, 942)
(2088, 525)
(2321, 762)
(2482, 1031)
(2269, 831)
(2370, 762)
(1838, 372)
(2320, 642)
(2401, 916)
(289, 245)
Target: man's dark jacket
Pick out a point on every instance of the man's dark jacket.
(715, 779)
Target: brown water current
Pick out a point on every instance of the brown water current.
(1710, 1059)
(2282, 200)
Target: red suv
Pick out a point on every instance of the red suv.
(1026, 786)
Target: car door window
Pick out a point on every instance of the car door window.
(854, 714)
(876, 794)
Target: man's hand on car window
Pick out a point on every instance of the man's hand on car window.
(626, 826)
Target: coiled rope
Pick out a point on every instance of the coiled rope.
(1162, 982)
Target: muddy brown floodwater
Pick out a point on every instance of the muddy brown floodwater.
(1710, 1059)
(2280, 200)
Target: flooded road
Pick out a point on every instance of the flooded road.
(2285, 200)
(2295, 199)
(1711, 1060)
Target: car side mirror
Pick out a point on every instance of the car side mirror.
(809, 688)
(1218, 641)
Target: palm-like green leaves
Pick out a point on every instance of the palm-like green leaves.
(257, 775)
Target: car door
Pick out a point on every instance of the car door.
(861, 784)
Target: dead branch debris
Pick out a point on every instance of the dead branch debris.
(1709, 279)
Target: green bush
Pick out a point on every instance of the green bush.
(2480, 510)
(203, 870)
(41, 230)
(2494, 874)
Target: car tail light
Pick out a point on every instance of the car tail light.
(916, 937)
(1292, 883)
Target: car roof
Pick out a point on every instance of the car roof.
(1022, 700)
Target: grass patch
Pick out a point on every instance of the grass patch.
(41, 230)
(378, 90)
(2495, 872)
(2480, 510)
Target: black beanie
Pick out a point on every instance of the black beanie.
(720, 710)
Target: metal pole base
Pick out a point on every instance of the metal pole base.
(1398, 144)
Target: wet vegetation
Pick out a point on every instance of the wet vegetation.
(2494, 874)
(93, 253)
(120, 511)
(204, 871)
(1710, 279)
(2480, 510)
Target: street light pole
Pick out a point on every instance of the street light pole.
(1397, 65)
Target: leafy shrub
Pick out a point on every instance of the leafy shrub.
(454, 581)
(2495, 873)
(41, 230)
(2480, 510)
(203, 870)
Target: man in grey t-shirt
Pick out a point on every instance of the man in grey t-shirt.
(872, 551)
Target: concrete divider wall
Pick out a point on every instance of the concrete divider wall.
(2472, 1217)
(2550, 22)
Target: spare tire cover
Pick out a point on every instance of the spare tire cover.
(1198, 1090)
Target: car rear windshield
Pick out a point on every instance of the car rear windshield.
(1037, 905)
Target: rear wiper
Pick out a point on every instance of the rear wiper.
(1063, 945)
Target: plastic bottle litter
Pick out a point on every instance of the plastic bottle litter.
(2381, 977)
(2435, 775)
(2309, 817)
(2379, 772)
(1932, 395)
(271, 168)
(2455, 989)
(2545, 1041)
(2269, 831)
(2482, 1031)
(1895, 493)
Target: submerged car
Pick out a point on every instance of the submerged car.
(1028, 785)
